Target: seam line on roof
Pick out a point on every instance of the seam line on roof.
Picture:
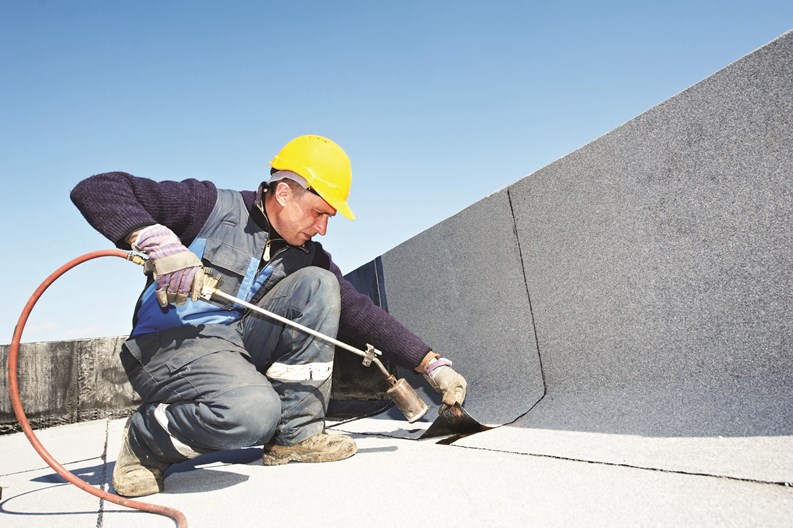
(40, 468)
(100, 519)
(632, 466)
(528, 294)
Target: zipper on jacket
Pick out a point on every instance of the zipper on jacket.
(266, 255)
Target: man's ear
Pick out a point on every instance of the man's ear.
(282, 193)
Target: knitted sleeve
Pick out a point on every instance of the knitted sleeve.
(117, 203)
(366, 322)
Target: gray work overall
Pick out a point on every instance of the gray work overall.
(216, 378)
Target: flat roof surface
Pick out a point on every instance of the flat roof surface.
(392, 481)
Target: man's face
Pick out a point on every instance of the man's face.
(303, 218)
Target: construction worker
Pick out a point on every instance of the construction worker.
(218, 377)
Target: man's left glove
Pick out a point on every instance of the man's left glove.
(444, 379)
(178, 272)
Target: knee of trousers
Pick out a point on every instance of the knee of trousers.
(319, 288)
(244, 416)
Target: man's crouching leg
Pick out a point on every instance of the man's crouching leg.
(299, 366)
(159, 435)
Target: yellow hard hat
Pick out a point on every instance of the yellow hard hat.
(323, 164)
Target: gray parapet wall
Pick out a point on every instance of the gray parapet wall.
(67, 381)
(659, 260)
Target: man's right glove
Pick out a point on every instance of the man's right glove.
(177, 271)
(444, 379)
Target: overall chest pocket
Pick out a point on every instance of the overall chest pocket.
(236, 267)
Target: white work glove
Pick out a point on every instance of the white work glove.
(444, 379)
(177, 271)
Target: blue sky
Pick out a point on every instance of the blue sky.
(438, 104)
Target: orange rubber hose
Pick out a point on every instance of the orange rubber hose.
(13, 387)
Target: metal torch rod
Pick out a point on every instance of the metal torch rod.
(367, 356)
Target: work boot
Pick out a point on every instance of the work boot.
(323, 447)
(136, 476)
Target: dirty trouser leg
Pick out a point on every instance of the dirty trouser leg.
(298, 364)
(201, 393)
